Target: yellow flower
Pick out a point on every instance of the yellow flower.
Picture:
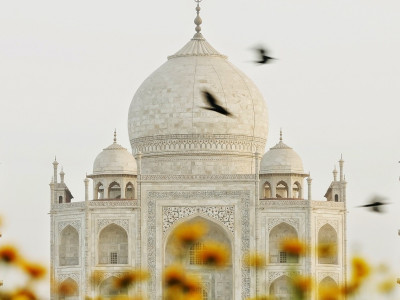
(96, 277)
(35, 271)
(254, 259)
(213, 254)
(174, 275)
(189, 232)
(293, 246)
(67, 288)
(329, 292)
(387, 285)
(23, 294)
(302, 284)
(8, 254)
(262, 298)
(360, 269)
(130, 278)
(327, 250)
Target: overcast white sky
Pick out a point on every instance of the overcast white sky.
(69, 69)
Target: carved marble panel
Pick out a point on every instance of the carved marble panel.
(74, 223)
(224, 214)
(272, 222)
(101, 223)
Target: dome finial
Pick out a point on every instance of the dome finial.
(115, 136)
(280, 135)
(197, 20)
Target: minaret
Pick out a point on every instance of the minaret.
(55, 166)
(86, 181)
(309, 180)
(62, 174)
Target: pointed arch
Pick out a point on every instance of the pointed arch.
(69, 247)
(99, 191)
(129, 191)
(113, 245)
(114, 190)
(221, 276)
(296, 190)
(108, 289)
(282, 189)
(280, 288)
(70, 288)
(327, 245)
(279, 233)
(267, 190)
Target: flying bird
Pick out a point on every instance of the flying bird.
(264, 58)
(213, 104)
(375, 204)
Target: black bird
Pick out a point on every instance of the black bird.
(210, 99)
(264, 58)
(375, 204)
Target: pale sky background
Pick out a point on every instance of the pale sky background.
(69, 70)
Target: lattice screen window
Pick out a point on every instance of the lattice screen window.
(282, 257)
(113, 258)
(193, 254)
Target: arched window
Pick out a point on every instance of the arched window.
(99, 191)
(296, 190)
(277, 235)
(280, 288)
(69, 247)
(327, 245)
(108, 289)
(129, 191)
(113, 245)
(70, 288)
(60, 199)
(114, 191)
(282, 190)
(336, 197)
(267, 190)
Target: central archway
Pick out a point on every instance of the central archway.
(217, 283)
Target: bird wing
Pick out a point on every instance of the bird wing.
(210, 99)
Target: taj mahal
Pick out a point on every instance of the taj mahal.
(187, 163)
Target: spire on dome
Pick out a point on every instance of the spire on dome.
(115, 136)
(198, 20)
(280, 135)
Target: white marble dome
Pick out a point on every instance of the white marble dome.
(169, 103)
(281, 159)
(114, 159)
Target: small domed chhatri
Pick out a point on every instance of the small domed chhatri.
(114, 159)
(281, 159)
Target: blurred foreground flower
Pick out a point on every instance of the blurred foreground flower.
(34, 270)
(8, 254)
(23, 294)
(188, 233)
(293, 246)
(174, 275)
(181, 286)
(130, 278)
(327, 250)
(263, 297)
(254, 259)
(67, 288)
(387, 286)
(329, 292)
(302, 285)
(213, 254)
